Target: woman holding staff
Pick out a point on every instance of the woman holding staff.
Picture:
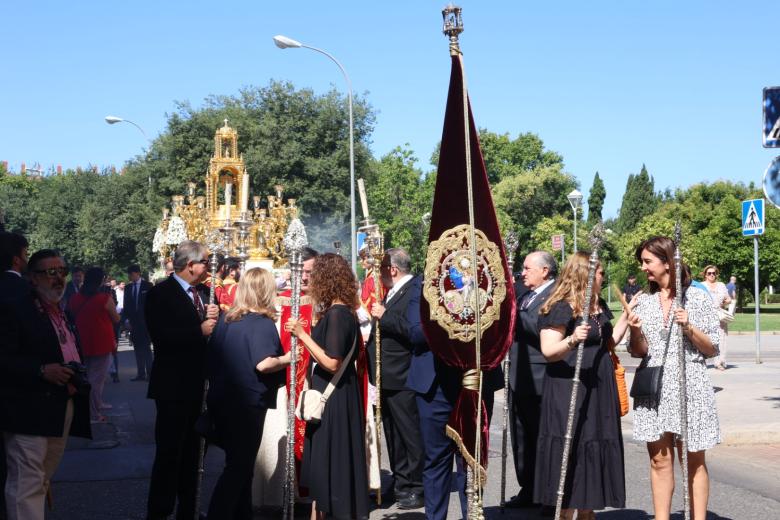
(657, 419)
(334, 458)
(595, 478)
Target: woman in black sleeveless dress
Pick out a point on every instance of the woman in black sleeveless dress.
(595, 477)
(333, 466)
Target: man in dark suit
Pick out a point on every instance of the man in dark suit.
(400, 419)
(42, 402)
(437, 387)
(134, 316)
(73, 287)
(526, 370)
(13, 262)
(180, 321)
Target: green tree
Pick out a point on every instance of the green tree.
(596, 200)
(639, 200)
(506, 157)
(528, 197)
(398, 196)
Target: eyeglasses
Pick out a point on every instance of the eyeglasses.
(710, 273)
(53, 271)
(205, 261)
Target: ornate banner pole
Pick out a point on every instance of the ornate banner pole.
(215, 242)
(375, 249)
(510, 243)
(596, 238)
(683, 379)
(295, 242)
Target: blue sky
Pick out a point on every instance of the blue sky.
(609, 84)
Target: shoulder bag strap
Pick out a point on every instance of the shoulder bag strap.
(335, 379)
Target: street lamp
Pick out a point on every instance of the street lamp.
(575, 199)
(112, 120)
(283, 42)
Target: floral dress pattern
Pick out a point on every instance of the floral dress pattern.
(653, 417)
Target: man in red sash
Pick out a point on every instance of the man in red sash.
(285, 302)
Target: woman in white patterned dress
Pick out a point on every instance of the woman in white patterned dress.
(720, 299)
(657, 420)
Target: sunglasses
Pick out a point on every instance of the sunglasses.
(53, 271)
(205, 261)
(710, 273)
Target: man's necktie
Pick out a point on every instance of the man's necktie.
(527, 299)
(198, 303)
(135, 294)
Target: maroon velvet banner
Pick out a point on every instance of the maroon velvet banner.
(448, 279)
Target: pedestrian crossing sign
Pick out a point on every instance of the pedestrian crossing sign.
(752, 217)
(771, 128)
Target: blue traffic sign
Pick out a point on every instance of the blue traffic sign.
(752, 217)
(771, 131)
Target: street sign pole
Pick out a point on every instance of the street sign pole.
(755, 277)
(563, 251)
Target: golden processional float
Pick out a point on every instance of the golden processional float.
(255, 237)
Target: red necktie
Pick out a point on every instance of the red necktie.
(198, 303)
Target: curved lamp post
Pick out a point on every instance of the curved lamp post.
(575, 199)
(283, 42)
(112, 120)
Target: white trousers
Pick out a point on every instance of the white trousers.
(32, 460)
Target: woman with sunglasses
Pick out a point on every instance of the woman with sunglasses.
(720, 299)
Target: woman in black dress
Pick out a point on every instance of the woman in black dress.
(245, 372)
(334, 460)
(595, 477)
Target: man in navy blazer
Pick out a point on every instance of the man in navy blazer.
(133, 314)
(180, 322)
(437, 386)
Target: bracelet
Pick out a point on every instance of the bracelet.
(570, 342)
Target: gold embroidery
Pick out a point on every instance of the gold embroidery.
(452, 284)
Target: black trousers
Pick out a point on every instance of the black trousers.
(524, 414)
(240, 429)
(143, 357)
(175, 468)
(401, 421)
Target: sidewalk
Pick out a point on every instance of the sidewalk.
(747, 394)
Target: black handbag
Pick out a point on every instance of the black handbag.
(647, 380)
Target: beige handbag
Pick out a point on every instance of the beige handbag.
(311, 403)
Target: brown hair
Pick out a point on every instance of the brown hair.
(663, 249)
(333, 280)
(256, 292)
(570, 285)
(703, 272)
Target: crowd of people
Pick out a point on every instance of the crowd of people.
(233, 353)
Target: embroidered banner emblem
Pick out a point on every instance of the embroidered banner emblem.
(452, 284)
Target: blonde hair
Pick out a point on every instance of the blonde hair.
(570, 286)
(256, 293)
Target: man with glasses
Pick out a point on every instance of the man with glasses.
(135, 321)
(180, 321)
(400, 417)
(42, 400)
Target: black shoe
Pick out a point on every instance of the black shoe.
(518, 501)
(547, 511)
(139, 378)
(411, 501)
(400, 495)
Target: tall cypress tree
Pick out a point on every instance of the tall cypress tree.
(596, 200)
(639, 200)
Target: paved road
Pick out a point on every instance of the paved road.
(108, 478)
